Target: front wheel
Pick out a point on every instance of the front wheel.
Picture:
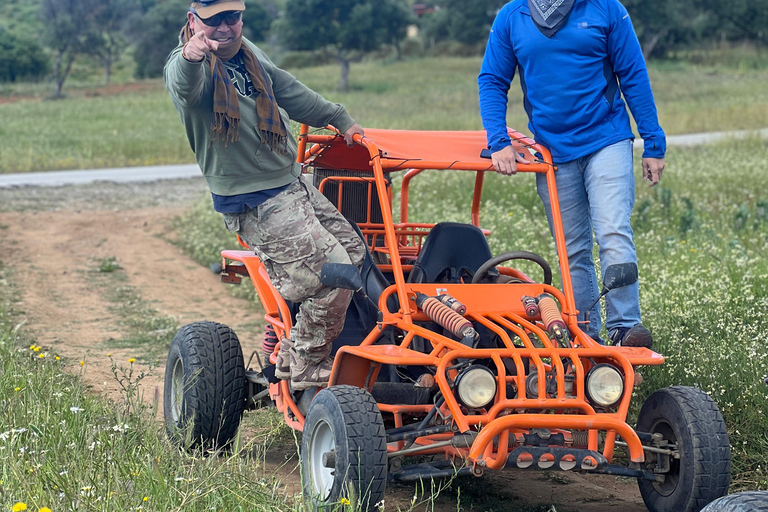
(204, 394)
(343, 451)
(691, 424)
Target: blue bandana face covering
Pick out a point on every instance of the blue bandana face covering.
(549, 15)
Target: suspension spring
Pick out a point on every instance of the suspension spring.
(553, 322)
(270, 341)
(580, 438)
(445, 316)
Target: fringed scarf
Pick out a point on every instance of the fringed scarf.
(225, 122)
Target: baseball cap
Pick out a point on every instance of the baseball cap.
(207, 8)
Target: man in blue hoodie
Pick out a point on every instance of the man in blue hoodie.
(575, 59)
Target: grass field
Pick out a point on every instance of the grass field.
(130, 128)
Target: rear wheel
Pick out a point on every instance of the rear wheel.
(343, 450)
(750, 501)
(204, 394)
(690, 422)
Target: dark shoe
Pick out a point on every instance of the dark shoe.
(305, 375)
(637, 336)
(283, 366)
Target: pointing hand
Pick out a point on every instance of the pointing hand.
(199, 46)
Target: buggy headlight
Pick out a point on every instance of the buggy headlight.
(605, 385)
(476, 386)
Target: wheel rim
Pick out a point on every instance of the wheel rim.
(321, 478)
(177, 389)
(673, 477)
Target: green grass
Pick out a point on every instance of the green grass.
(110, 131)
(65, 448)
(427, 94)
(142, 326)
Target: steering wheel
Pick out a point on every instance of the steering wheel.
(514, 255)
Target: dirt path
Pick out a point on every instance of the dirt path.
(54, 238)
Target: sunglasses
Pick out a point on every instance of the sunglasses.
(229, 17)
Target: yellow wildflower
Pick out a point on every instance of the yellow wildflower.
(145, 498)
(36, 349)
(41, 355)
(82, 363)
(57, 358)
(132, 360)
(109, 354)
(344, 501)
(44, 509)
(19, 507)
(17, 389)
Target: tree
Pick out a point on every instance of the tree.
(108, 39)
(740, 19)
(458, 20)
(661, 26)
(396, 16)
(257, 19)
(67, 27)
(347, 28)
(156, 35)
(22, 57)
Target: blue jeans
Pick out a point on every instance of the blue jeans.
(597, 192)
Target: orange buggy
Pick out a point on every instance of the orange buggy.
(447, 353)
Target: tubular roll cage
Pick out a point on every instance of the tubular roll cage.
(496, 307)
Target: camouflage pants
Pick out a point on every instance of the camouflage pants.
(294, 234)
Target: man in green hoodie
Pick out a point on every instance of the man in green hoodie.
(236, 106)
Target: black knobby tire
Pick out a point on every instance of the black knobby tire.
(689, 418)
(204, 395)
(748, 501)
(346, 420)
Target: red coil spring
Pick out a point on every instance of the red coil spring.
(443, 315)
(550, 315)
(270, 340)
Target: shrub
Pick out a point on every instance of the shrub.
(159, 35)
(22, 57)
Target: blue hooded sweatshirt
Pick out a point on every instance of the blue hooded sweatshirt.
(572, 82)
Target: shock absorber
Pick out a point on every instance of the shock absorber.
(447, 318)
(269, 343)
(531, 305)
(452, 303)
(553, 322)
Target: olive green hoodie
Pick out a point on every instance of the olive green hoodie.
(247, 165)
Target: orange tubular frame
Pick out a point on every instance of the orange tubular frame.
(496, 307)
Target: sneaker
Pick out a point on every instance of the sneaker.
(305, 375)
(283, 366)
(637, 336)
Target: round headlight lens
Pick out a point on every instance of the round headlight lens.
(476, 386)
(605, 385)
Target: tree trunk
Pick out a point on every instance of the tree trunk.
(60, 76)
(107, 69)
(344, 63)
(56, 71)
(650, 45)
